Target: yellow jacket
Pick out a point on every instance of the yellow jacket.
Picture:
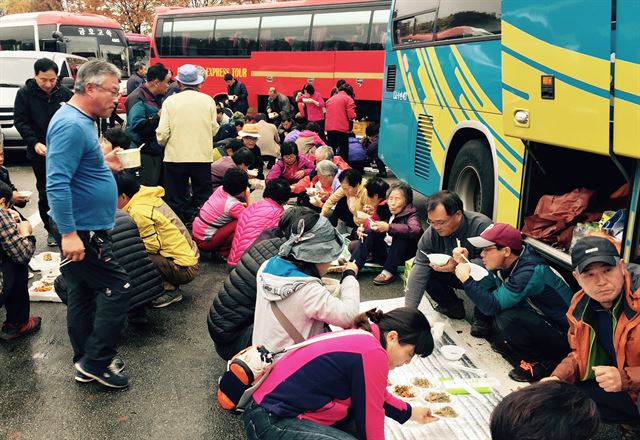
(187, 127)
(355, 203)
(159, 235)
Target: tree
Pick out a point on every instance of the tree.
(18, 6)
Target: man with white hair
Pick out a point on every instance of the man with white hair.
(187, 126)
(82, 198)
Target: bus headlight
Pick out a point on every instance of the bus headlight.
(522, 117)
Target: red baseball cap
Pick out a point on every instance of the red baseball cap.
(498, 234)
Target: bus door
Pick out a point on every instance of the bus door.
(626, 114)
(556, 72)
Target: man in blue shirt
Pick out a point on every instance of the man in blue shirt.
(82, 198)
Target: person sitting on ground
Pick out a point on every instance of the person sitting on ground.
(293, 133)
(357, 153)
(224, 113)
(290, 284)
(285, 127)
(449, 224)
(269, 140)
(259, 216)
(326, 152)
(215, 224)
(526, 297)
(228, 130)
(168, 249)
(250, 135)
(322, 186)
(225, 147)
(291, 166)
(370, 143)
(347, 200)
(317, 390)
(17, 199)
(393, 238)
(603, 333)
(230, 320)
(17, 246)
(545, 411)
(243, 159)
(308, 138)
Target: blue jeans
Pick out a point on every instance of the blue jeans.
(259, 424)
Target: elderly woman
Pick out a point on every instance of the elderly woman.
(393, 238)
(322, 185)
(292, 303)
(292, 166)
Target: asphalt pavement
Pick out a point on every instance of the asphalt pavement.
(171, 363)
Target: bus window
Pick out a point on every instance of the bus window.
(236, 36)
(347, 30)
(163, 37)
(379, 25)
(285, 32)
(17, 38)
(45, 32)
(410, 8)
(193, 36)
(414, 30)
(468, 18)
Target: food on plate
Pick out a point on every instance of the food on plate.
(46, 256)
(437, 397)
(446, 411)
(421, 382)
(43, 286)
(404, 391)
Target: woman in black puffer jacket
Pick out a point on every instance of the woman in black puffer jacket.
(230, 318)
(128, 248)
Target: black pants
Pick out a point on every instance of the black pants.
(15, 293)
(342, 212)
(532, 337)
(340, 143)
(151, 172)
(176, 185)
(614, 408)
(390, 257)
(303, 200)
(40, 171)
(97, 300)
(440, 287)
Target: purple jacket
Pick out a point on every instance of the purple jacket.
(405, 225)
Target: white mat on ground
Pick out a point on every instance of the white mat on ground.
(472, 422)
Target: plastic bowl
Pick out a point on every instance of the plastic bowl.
(438, 259)
(129, 158)
(362, 215)
(452, 352)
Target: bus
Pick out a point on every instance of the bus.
(506, 101)
(282, 45)
(140, 46)
(85, 35)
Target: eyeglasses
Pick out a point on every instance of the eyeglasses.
(438, 223)
(113, 93)
(488, 248)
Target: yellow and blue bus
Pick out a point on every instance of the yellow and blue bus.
(506, 101)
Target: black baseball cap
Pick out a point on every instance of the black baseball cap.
(589, 250)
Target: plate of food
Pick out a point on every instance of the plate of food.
(445, 411)
(436, 397)
(41, 287)
(405, 392)
(423, 382)
(45, 260)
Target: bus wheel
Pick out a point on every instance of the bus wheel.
(471, 177)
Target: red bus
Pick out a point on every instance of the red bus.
(86, 35)
(140, 46)
(281, 45)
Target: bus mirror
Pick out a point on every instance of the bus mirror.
(49, 45)
(61, 47)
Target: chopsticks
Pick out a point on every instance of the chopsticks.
(465, 258)
(65, 262)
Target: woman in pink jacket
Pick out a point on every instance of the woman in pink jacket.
(341, 109)
(259, 217)
(215, 225)
(314, 103)
(292, 166)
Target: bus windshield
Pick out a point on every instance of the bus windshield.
(13, 71)
(97, 42)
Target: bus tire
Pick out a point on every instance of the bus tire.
(472, 178)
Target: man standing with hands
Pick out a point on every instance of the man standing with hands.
(604, 334)
(35, 104)
(82, 194)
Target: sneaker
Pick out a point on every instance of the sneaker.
(455, 311)
(10, 332)
(629, 432)
(531, 371)
(107, 376)
(117, 365)
(166, 299)
(481, 328)
(51, 240)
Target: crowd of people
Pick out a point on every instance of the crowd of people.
(316, 208)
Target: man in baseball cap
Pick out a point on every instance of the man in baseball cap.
(603, 319)
(527, 298)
